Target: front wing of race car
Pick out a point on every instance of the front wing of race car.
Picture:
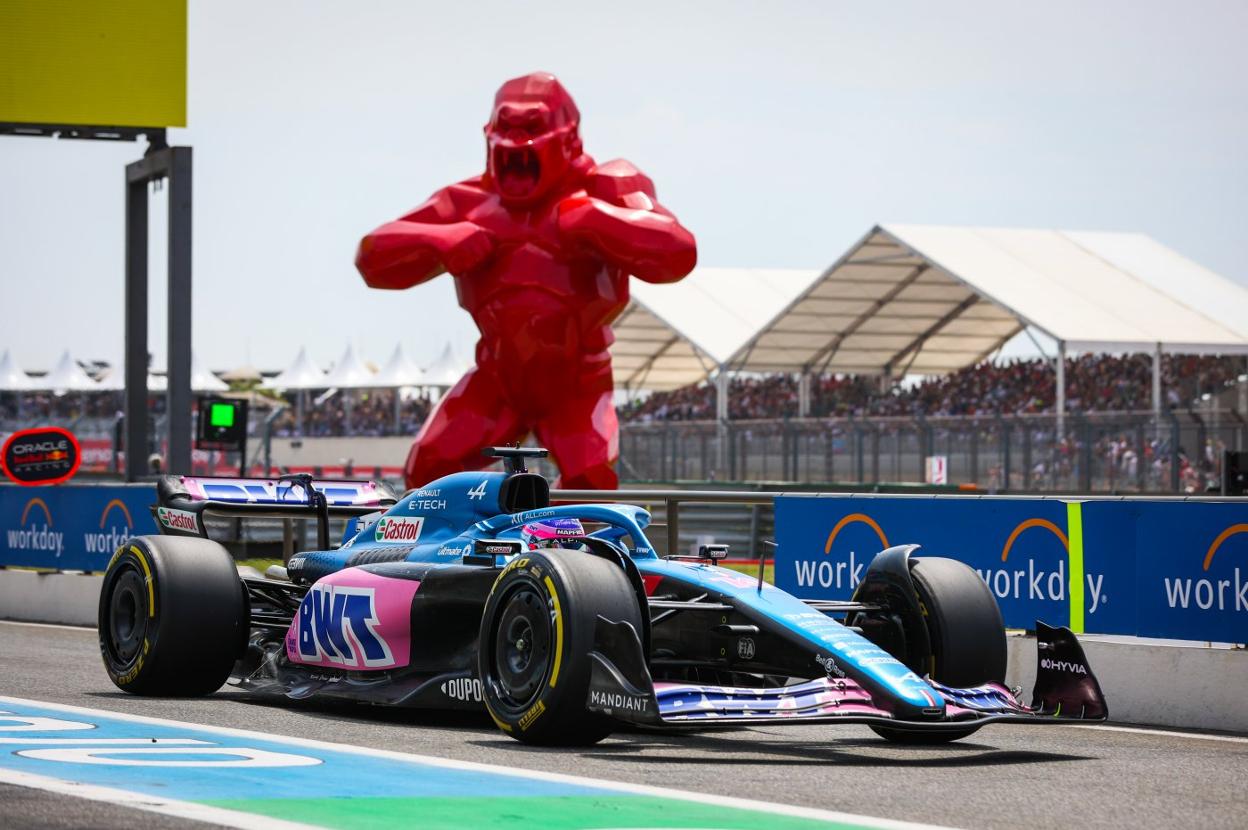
(1066, 691)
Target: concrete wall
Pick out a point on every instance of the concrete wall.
(1159, 684)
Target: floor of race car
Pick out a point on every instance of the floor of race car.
(401, 765)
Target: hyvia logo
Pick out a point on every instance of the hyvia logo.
(399, 528)
(338, 624)
(1063, 666)
(467, 689)
(178, 519)
(1210, 593)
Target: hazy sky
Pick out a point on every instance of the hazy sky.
(778, 133)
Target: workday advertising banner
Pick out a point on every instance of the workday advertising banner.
(1148, 568)
(72, 527)
(1033, 554)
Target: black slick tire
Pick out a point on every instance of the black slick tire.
(966, 632)
(536, 634)
(173, 616)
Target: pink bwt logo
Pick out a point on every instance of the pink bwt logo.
(337, 625)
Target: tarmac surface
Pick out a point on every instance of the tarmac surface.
(1003, 776)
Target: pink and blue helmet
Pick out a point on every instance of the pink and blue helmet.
(553, 533)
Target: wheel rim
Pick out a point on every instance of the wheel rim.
(127, 616)
(521, 653)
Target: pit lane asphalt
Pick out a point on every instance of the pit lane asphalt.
(1003, 776)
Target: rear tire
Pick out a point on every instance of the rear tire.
(966, 632)
(536, 634)
(173, 616)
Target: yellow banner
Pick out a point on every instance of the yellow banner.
(96, 63)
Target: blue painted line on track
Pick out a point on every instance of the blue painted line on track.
(217, 774)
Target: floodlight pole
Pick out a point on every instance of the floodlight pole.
(174, 164)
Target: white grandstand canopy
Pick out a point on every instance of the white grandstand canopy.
(66, 376)
(399, 371)
(930, 300)
(674, 334)
(201, 379)
(12, 378)
(350, 372)
(446, 370)
(301, 374)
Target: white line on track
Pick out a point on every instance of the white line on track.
(89, 629)
(471, 766)
(1165, 733)
(150, 803)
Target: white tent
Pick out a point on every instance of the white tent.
(446, 370)
(350, 372)
(201, 379)
(12, 378)
(680, 333)
(66, 376)
(930, 300)
(301, 374)
(398, 371)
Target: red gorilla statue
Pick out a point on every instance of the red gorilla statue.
(541, 247)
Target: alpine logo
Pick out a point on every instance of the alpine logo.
(615, 700)
(463, 688)
(399, 528)
(178, 519)
(1062, 665)
(338, 623)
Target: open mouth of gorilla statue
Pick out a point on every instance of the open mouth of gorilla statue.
(518, 171)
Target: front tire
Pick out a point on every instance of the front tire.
(172, 618)
(966, 632)
(536, 634)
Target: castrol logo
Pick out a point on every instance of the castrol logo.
(399, 528)
(178, 519)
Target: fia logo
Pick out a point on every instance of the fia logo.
(745, 648)
(338, 624)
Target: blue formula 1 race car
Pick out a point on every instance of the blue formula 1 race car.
(561, 621)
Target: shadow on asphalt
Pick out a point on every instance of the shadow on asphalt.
(648, 748)
(652, 748)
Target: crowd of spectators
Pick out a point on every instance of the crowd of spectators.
(1094, 383)
(366, 413)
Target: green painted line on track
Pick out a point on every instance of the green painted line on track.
(489, 813)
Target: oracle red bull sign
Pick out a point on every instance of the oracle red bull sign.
(1148, 568)
(47, 455)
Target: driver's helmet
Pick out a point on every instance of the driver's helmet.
(553, 533)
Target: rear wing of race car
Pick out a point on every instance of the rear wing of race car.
(184, 501)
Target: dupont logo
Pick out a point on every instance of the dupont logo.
(399, 528)
(173, 519)
(467, 689)
(1063, 665)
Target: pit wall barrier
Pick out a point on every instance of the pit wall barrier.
(1170, 569)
